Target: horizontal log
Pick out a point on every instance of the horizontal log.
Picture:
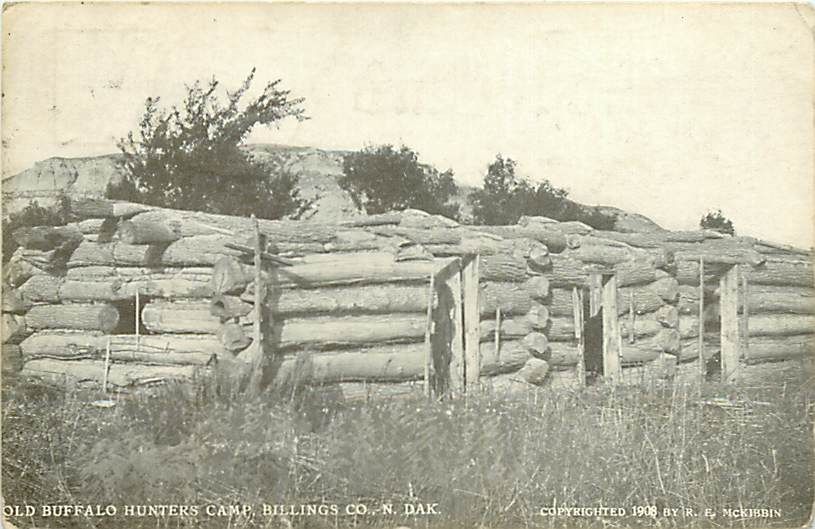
(503, 267)
(689, 348)
(190, 224)
(511, 329)
(13, 329)
(658, 239)
(782, 273)
(687, 272)
(511, 356)
(92, 372)
(50, 289)
(179, 317)
(644, 300)
(562, 354)
(323, 332)
(203, 250)
(89, 226)
(554, 240)
(419, 236)
(379, 219)
(511, 298)
(775, 348)
(47, 237)
(717, 254)
(791, 273)
(567, 272)
(76, 344)
(351, 270)
(382, 363)
(146, 232)
(790, 300)
(348, 300)
(780, 324)
(87, 207)
(81, 316)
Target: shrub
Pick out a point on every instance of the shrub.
(382, 178)
(506, 196)
(714, 220)
(191, 157)
(33, 215)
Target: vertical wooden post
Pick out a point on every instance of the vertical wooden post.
(595, 294)
(612, 338)
(457, 361)
(745, 318)
(498, 334)
(701, 337)
(259, 359)
(631, 319)
(472, 319)
(728, 307)
(577, 314)
(107, 368)
(428, 332)
(138, 321)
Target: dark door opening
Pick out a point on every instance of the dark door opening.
(128, 315)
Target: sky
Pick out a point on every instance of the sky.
(668, 110)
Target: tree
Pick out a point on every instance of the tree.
(382, 178)
(192, 158)
(506, 196)
(714, 220)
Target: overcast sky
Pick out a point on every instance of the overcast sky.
(665, 110)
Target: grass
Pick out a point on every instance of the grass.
(487, 462)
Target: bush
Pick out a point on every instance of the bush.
(714, 220)
(382, 178)
(33, 215)
(507, 196)
(191, 157)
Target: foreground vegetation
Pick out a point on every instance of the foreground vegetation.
(487, 462)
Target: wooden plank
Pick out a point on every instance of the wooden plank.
(612, 338)
(498, 333)
(631, 318)
(258, 359)
(428, 333)
(457, 361)
(472, 331)
(595, 294)
(728, 307)
(577, 311)
(701, 324)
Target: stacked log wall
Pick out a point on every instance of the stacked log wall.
(354, 303)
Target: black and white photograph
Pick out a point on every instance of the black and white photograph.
(407, 265)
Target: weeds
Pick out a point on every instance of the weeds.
(486, 462)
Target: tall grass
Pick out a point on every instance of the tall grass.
(486, 461)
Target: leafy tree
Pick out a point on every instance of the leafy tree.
(506, 196)
(33, 215)
(191, 156)
(714, 220)
(382, 178)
